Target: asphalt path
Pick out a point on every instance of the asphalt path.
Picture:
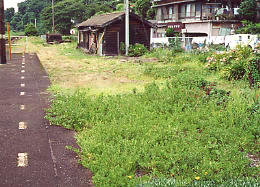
(33, 153)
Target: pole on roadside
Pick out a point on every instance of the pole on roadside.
(126, 27)
(53, 23)
(2, 33)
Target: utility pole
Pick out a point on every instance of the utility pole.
(53, 24)
(126, 27)
(2, 33)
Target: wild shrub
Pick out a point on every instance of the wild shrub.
(137, 50)
(240, 63)
(253, 71)
(30, 30)
(217, 47)
(170, 32)
(122, 48)
(175, 45)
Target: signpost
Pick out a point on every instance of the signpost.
(2, 33)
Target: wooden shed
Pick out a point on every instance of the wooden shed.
(103, 34)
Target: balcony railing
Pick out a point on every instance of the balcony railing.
(206, 14)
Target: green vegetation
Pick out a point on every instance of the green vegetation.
(30, 30)
(137, 50)
(236, 64)
(68, 13)
(188, 128)
(170, 32)
(247, 10)
(249, 28)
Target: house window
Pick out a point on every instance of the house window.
(198, 9)
(171, 12)
(193, 10)
(159, 14)
(182, 11)
(188, 10)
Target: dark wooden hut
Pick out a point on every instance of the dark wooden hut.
(103, 34)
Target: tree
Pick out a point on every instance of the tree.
(247, 10)
(65, 12)
(17, 22)
(30, 30)
(143, 9)
(9, 13)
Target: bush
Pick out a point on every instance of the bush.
(137, 50)
(249, 28)
(254, 71)
(217, 47)
(122, 48)
(175, 45)
(170, 32)
(233, 65)
(30, 30)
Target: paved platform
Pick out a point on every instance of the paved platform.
(33, 153)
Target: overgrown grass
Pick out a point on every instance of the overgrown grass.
(188, 128)
(178, 131)
(70, 68)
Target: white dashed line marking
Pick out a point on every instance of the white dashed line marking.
(22, 107)
(23, 67)
(23, 71)
(22, 77)
(22, 93)
(23, 63)
(22, 125)
(22, 160)
(22, 85)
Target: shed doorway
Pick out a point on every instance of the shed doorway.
(111, 44)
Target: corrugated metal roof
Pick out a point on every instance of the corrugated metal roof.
(100, 20)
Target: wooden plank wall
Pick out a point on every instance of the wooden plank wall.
(139, 33)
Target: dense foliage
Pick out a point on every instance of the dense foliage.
(247, 10)
(249, 28)
(137, 50)
(30, 30)
(236, 64)
(68, 12)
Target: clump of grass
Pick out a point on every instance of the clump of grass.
(172, 132)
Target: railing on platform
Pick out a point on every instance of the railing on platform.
(16, 46)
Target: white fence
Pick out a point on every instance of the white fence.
(229, 41)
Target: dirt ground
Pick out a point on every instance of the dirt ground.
(70, 68)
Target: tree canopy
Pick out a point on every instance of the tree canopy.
(67, 13)
(247, 10)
